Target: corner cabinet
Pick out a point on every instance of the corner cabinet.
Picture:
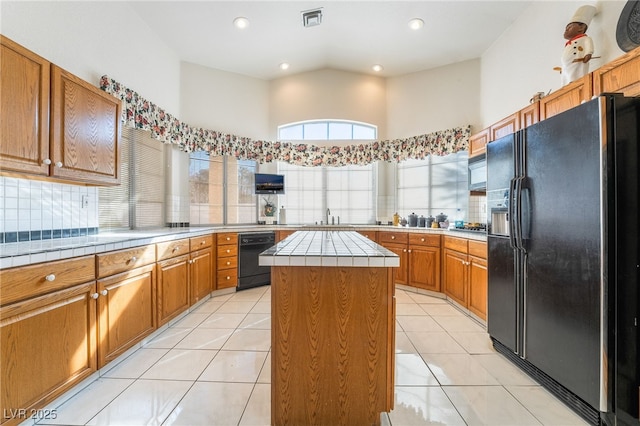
(55, 124)
(621, 75)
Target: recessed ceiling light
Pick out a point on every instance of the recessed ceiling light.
(241, 22)
(284, 66)
(416, 23)
(377, 68)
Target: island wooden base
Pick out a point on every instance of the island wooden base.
(333, 344)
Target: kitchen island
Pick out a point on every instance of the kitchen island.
(333, 329)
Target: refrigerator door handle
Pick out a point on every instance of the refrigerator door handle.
(511, 213)
(518, 218)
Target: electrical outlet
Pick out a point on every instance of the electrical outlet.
(85, 201)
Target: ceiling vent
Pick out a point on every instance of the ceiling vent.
(311, 18)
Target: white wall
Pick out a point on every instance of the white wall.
(521, 62)
(90, 39)
(433, 100)
(328, 94)
(224, 101)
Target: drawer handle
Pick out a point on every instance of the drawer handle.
(50, 277)
(228, 251)
(104, 292)
(202, 243)
(228, 238)
(228, 263)
(422, 239)
(228, 277)
(133, 259)
(176, 248)
(95, 296)
(393, 237)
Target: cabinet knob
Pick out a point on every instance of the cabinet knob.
(104, 292)
(133, 259)
(46, 161)
(393, 237)
(50, 277)
(228, 277)
(422, 239)
(94, 295)
(228, 238)
(176, 248)
(409, 250)
(228, 263)
(228, 251)
(202, 243)
(59, 164)
(404, 250)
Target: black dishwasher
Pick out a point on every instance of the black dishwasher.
(250, 245)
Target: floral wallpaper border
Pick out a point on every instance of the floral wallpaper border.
(142, 114)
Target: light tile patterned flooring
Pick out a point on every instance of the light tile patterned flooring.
(213, 368)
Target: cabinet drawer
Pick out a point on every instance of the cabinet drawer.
(197, 243)
(478, 248)
(227, 263)
(227, 250)
(227, 278)
(424, 240)
(227, 238)
(171, 249)
(28, 281)
(124, 260)
(457, 244)
(372, 235)
(393, 237)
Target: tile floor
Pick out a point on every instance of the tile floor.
(213, 368)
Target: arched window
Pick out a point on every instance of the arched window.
(327, 130)
(318, 194)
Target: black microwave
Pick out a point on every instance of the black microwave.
(478, 173)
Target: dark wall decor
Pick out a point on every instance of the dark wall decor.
(628, 30)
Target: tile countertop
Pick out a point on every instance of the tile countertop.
(328, 248)
(29, 252)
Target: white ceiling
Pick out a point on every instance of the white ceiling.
(353, 36)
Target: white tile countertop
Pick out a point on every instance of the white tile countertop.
(328, 248)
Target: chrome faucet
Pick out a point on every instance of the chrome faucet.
(327, 216)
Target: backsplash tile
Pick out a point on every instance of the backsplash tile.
(477, 209)
(34, 210)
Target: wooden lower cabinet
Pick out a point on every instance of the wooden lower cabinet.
(424, 267)
(126, 311)
(227, 260)
(400, 274)
(281, 235)
(464, 277)
(173, 288)
(48, 344)
(455, 276)
(419, 258)
(201, 274)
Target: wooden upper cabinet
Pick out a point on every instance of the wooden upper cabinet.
(55, 124)
(85, 127)
(24, 102)
(506, 126)
(529, 115)
(478, 142)
(571, 95)
(621, 75)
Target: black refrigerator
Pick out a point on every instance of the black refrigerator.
(562, 207)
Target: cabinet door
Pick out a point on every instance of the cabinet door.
(201, 276)
(126, 311)
(571, 95)
(455, 276)
(478, 142)
(24, 102)
(400, 274)
(530, 115)
(48, 345)
(85, 130)
(424, 267)
(478, 286)
(173, 288)
(505, 127)
(621, 75)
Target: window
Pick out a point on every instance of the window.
(433, 185)
(219, 182)
(139, 200)
(327, 130)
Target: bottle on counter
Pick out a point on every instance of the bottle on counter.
(396, 219)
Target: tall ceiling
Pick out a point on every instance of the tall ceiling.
(353, 35)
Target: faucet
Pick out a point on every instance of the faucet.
(327, 216)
